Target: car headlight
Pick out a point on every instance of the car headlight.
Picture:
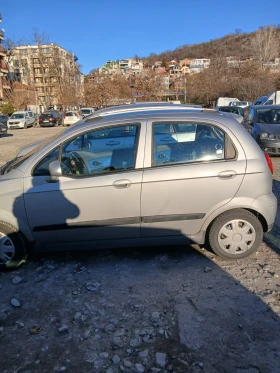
(267, 136)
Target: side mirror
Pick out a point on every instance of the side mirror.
(55, 172)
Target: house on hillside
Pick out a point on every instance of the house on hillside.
(185, 70)
(197, 65)
(185, 62)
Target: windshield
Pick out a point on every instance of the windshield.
(16, 162)
(70, 114)
(271, 116)
(85, 111)
(17, 116)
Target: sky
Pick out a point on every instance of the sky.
(97, 31)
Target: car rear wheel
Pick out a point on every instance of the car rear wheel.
(13, 247)
(235, 234)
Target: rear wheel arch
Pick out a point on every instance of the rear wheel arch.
(235, 233)
(254, 212)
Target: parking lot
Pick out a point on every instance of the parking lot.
(167, 309)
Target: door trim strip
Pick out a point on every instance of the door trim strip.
(118, 221)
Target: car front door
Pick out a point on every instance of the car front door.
(191, 169)
(98, 196)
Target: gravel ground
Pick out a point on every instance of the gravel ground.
(170, 309)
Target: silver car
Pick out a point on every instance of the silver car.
(159, 177)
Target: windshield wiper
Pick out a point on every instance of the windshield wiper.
(6, 168)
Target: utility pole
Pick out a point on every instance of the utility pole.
(185, 84)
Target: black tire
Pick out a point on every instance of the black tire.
(19, 243)
(246, 218)
(25, 126)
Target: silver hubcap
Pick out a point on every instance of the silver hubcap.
(7, 249)
(237, 236)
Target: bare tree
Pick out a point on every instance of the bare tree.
(105, 90)
(148, 86)
(265, 44)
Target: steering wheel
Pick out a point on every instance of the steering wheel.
(78, 165)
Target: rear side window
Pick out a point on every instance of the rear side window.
(175, 143)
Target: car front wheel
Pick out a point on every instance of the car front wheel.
(12, 246)
(235, 234)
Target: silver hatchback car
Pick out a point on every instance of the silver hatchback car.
(159, 177)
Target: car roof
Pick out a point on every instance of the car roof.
(265, 106)
(164, 115)
(140, 108)
(230, 107)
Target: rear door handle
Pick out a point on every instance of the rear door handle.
(121, 184)
(229, 174)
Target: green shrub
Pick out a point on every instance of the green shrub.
(7, 109)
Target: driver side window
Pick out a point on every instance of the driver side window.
(101, 151)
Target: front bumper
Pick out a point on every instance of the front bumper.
(272, 147)
(3, 130)
(18, 125)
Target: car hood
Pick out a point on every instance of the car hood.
(274, 129)
(26, 149)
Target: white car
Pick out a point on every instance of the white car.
(71, 117)
(85, 111)
(20, 119)
(242, 104)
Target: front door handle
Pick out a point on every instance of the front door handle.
(229, 174)
(123, 183)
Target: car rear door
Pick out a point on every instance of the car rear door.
(191, 169)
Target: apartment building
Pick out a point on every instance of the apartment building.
(4, 83)
(49, 68)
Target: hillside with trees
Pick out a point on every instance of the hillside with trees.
(239, 44)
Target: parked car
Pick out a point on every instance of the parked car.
(263, 122)
(242, 104)
(224, 101)
(20, 119)
(138, 179)
(85, 111)
(71, 117)
(3, 129)
(231, 109)
(261, 100)
(50, 118)
(4, 119)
